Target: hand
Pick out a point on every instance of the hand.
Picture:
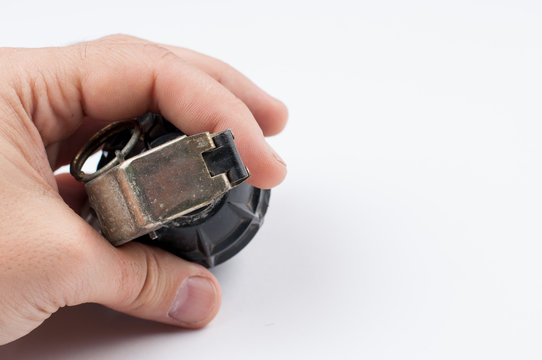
(51, 101)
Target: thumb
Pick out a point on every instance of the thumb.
(139, 280)
(52, 258)
(153, 284)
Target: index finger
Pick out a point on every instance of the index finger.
(109, 80)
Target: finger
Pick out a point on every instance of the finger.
(76, 265)
(53, 258)
(270, 113)
(153, 284)
(114, 81)
(72, 191)
(139, 280)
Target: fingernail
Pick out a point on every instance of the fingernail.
(194, 301)
(277, 157)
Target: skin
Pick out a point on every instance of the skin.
(51, 101)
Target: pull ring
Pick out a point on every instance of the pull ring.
(96, 141)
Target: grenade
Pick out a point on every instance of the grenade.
(184, 194)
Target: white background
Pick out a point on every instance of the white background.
(409, 226)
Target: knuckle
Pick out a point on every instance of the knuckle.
(160, 54)
(120, 44)
(128, 46)
(143, 281)
(81, 49)
(120, 38)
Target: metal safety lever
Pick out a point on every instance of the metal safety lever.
(138, 195)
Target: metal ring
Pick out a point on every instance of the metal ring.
(97, 140)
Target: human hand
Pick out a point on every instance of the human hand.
(51, 101)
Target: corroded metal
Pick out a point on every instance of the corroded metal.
(139, 195)
(96, 141)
